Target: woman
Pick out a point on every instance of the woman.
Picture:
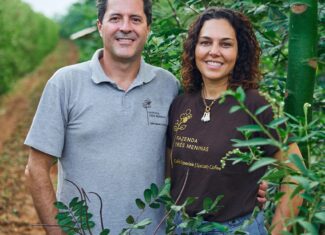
(221, 52)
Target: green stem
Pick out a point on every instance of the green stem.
(259, 124)
(177, 200)
(316, 201)
(175, 14)
(306, 133)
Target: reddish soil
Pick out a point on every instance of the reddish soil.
(17, 214)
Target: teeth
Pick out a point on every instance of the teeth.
(214, 63)
(125, 39)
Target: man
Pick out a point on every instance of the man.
(105, 122)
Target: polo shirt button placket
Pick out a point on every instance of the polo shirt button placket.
(125, 106)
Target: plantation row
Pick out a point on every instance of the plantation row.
(25, 38)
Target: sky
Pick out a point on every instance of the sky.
(50, 8)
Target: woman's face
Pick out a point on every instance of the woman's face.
(216, 51)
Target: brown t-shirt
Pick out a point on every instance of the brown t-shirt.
(199, 146)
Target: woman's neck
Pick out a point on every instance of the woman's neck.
(212, 90)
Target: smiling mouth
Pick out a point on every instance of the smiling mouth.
(214, 63)
(125, 39)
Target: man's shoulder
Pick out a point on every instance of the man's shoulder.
(80, 68)
(71, 72)
(164, 79)
(161, 72)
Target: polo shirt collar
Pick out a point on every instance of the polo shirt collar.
(145, 74)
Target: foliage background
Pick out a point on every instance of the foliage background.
(25, 38)
(171, 19)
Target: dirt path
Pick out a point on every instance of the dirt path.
(17, 214)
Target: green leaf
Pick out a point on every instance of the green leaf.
(295, 192)
(320, 216)
(142, 224)
(207, 227)
(105, 232)
(78, 206)
(261, 9)
(164, 199)
(278, 196)
(60, 205)
(274, 175)
(147, 195)
(298, 162)
(235, 108)
(250, 128)
(65, 222)
(303, 181)
(154, 190)
(90, 224)
(252, 142)
(240, 94)
(308, 197)
(309, 227)
(261, 163)
(154, 205)
(215, 203)
(207, 203)
(73, 202)
(276, 122)
(62, 215)
(176, 208)
(189, 201)
(140, 204)
(165, 191)
(262, 109)
(130, 219)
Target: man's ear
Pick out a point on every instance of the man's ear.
(99, 27)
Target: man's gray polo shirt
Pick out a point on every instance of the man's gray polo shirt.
(107, 140)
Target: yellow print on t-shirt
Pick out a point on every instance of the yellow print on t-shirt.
(180, 124)
(189, 143)
(214, 167)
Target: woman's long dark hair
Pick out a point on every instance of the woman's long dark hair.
(246, 72)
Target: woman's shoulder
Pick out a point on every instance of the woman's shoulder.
(255, 96)
(185, 98)
(256, 99)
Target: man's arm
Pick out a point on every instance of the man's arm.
(40, 185)
(167, 163)
(287, 207)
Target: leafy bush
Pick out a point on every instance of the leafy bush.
(26, 37)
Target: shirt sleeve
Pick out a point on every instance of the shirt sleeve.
(47, 131)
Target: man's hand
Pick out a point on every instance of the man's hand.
(261, 194)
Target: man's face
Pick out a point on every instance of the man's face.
(124, 29)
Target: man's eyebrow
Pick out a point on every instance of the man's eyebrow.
(119, 14)
(114, 14)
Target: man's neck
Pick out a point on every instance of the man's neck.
(121, 72)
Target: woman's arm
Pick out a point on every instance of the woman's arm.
(287, 207)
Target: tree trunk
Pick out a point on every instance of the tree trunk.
(302, 60)
(302, 55)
